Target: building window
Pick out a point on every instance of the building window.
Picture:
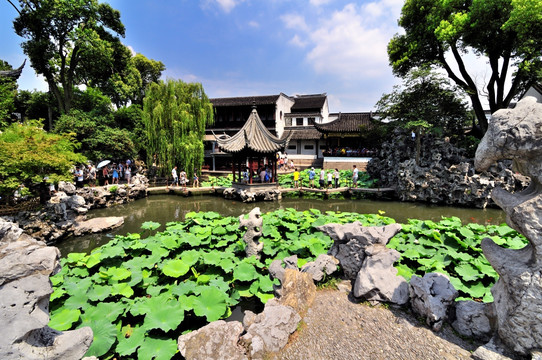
(288, 121)
(309, 147)
(299, 121)
(292, 147)
(311, 120)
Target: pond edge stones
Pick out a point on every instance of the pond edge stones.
(25, 289)
(517, 134)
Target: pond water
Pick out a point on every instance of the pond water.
(166, 208)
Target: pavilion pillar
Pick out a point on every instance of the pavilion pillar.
(233, 167)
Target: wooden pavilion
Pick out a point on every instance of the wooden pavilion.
(252, 148)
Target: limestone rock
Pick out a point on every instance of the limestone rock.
(471, 320)
(322, 266)
(493, 350)
(97, 225)
(25, 288)
(270, 330)
(516, 134)
(377, 281)
(431, 296)
(216, 339)
(276, 271)
(66, 187)
(351, 239)
(254, 231)
(9, 231)
(297, 290)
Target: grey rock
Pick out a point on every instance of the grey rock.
(471, 320)
(290, 262)
(270, 330)
(377, 281)
(516, 134)
(351, 239)
(322, 266)
(253, 232)
(66, 187)
(493, 350)
(74, 201)
(216, 339)
(9, 231)
(97, 225)
(276, 271)
(431, 296)
(25, 288)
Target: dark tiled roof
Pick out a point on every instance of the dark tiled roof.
(247, 100)
(253, 136)
(309, 102)
(347, 123)
(302, 133)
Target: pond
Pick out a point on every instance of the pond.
(166, 208)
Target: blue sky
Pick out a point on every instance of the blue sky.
(255, 47)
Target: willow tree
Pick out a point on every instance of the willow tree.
(175, 114)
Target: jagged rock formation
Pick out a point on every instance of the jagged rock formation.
(254, 231)
(444, 175)
(252, 196)
(64, 214)
(517, 134)
(431, 296)
(474, 319)
(25, 288)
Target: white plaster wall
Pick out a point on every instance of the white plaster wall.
(325, 112)
(284, 105)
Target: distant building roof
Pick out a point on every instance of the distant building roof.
(305, 103)
(346, 122)
(245, 101)
(301, 133)
(253, 136)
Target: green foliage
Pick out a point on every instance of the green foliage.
(345, 179)
(139, 294)
(221, 181)
(29, 154)
(68, 41)
(98, 137)
(450, 248)
(505, 33)
(8, 90)
(175, 116)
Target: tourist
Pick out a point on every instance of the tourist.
(312, 174)
(296, 178)
(105, 174)
(196, 179)
(245, 176)
(128, 174)
(329, 179)
(91, 175)
(336, 175)
(322, 178)
(182, 179)
(115, 175)
(292, 164)
(175, 181)
(355, 177)
(262, 175)
(79, 177)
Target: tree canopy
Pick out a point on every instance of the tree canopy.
(175, 114)
(29, 154)
(505, 32)
(64, 37)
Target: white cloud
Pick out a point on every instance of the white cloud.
(351, 43)
(296, 41)
(253, 24)
(226, 5)
(319, 2)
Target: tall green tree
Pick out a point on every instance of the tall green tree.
(150, 71)
(8, 91)
(63, 37)
(175, 114)
(426, 101)
(505, 32)
(29, 153)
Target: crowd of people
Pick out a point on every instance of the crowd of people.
(181, 179)
(347, 151)
(108, 174)
(326, 180)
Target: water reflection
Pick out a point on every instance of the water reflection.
(166, 208)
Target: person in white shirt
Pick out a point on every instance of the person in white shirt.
(174, 176)
(322, 178)
(329, 179)
(355, 177)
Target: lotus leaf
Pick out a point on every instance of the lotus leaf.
(123, 289)
(211, 303)
(76, 286)
(104, 336)
(109, 251)
(109, 311)
(517, 242)
(264, 297)
(93, 259)
(98, 292)
(74, 258)
(156, 290)
(404, 271)
(128, 343)
(212, 257)
(467, 271)
(191, 239)
(175, 268)
(64, 319)
(203, 279)
(57, 293)
(157, 349)
(165, 315)
(219, 230)
(150, 225)
(185, 288)
(477, 290)
(80, 272)
(170, 242)
(115, 273)
(245, 272)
